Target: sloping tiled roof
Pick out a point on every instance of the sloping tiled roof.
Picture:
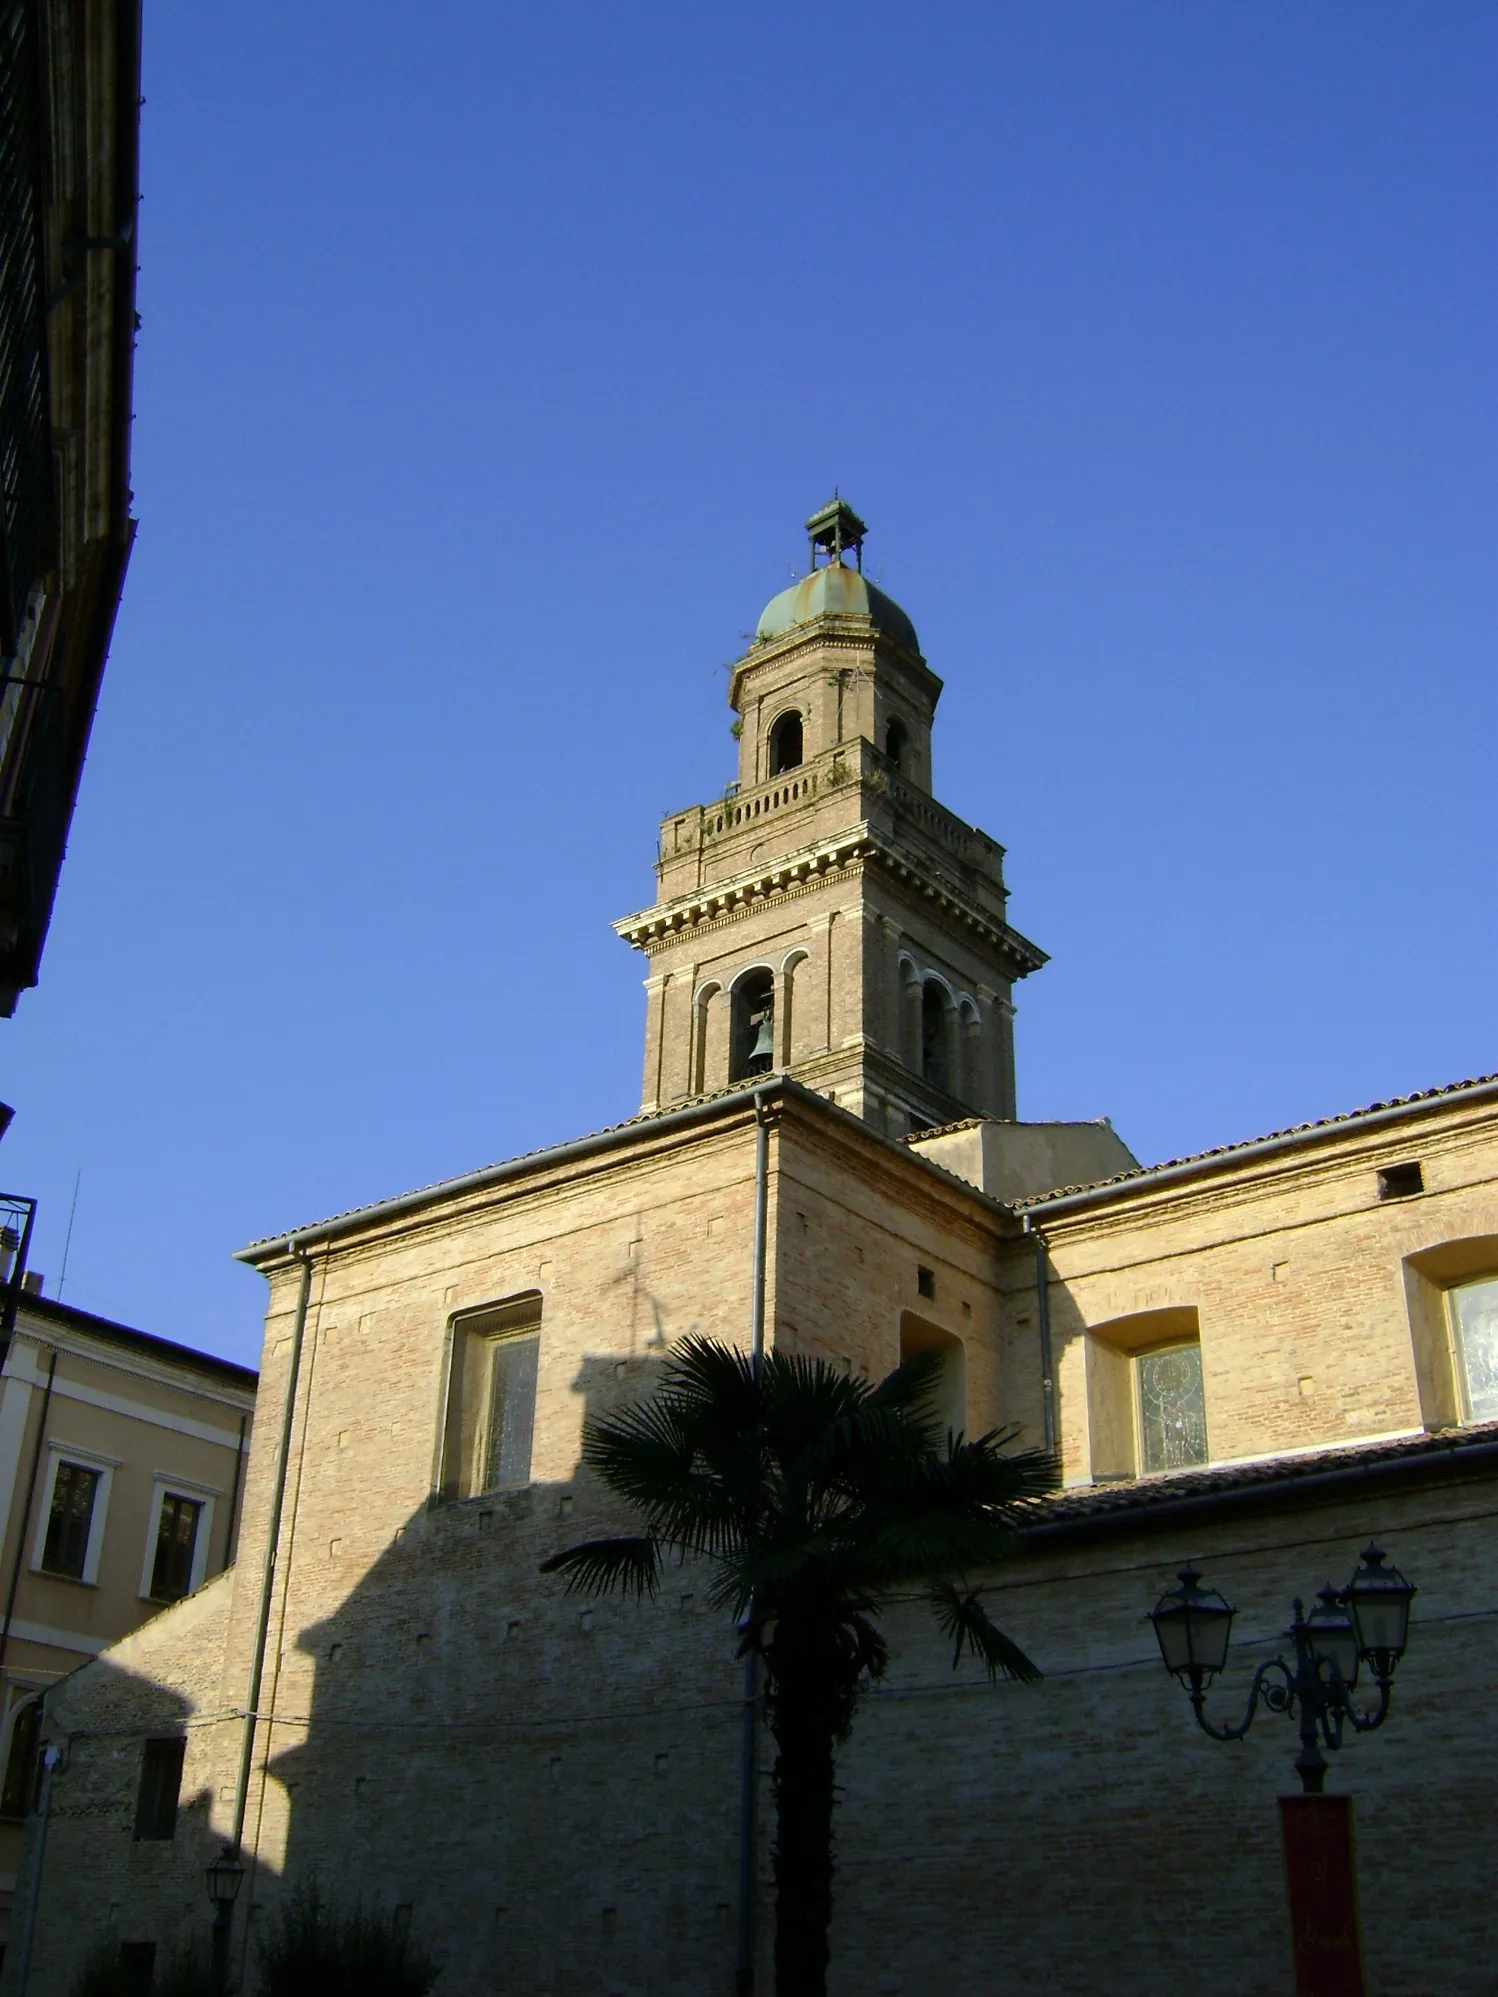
(1419, 1097)
(1138, 1498)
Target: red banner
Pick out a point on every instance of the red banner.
(1323, 1895)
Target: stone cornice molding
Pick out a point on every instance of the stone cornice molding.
(827, 633)
(799, 873)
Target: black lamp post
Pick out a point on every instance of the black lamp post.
(225, 1877)
(1365, 1623)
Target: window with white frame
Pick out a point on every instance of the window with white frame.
(177, 1539)
(75, 1502)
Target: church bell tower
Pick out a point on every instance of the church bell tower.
(826, 916)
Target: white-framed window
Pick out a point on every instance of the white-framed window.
(1473, 1312)
(75, 1503)
(179, 1532)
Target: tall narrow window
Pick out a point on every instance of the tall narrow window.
(1172, 1411)
(752, 1049)
(74, 1490)
(896, 741)
(936, 1062)
(21, 1763)
(785, 744)
(176, 1543)
(1474, 1333)
(160, 1788)
(491, 1398)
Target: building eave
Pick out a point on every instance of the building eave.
(701, 1112)
(651, 928)
(1227, 1158)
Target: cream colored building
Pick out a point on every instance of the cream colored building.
(1256, 1358)
(121, 1470)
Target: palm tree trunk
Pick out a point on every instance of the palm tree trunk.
(804, 1714)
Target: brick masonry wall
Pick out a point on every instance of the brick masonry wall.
(552, 1788)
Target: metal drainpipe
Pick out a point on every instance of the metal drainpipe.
(272, 1540)
(244, 1422)
(36, 1458)
(743, 1981)
(1043, 1313)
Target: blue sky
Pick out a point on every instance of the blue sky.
(491, 358)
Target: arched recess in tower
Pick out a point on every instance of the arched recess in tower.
(752, 1041)
(896, 742)
(786, 743)
(936, 1036)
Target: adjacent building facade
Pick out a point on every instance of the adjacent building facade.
(121, 1467)
(69, 191)
(1255, 1358)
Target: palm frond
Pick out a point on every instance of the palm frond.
(962, 1618)
(609, 1566)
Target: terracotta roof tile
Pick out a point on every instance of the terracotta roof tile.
(1248, 1143)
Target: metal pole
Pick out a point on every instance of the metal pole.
(1043, 1314)
(234, 1492)
(273, 1535)
(743, 1980)
(218, 1971)
(51, 1755)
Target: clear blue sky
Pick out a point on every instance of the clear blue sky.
(492, 357)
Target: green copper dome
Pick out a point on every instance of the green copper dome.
(836, 592)
(831, 590)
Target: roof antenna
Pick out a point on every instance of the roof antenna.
(67, 1240)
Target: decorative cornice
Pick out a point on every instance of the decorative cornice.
(707, 909)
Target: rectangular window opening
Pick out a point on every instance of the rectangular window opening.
(18, 1796)
(74, 1492)
(1401, 1182)
(176, 1543)
(160, 1787)
(1474, 1335)
(491, 1398)
(925, 1282)
(137, 1968)
(1171, 1408)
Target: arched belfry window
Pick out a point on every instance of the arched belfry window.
(752, 1047)
(896, 742)
(786, 744)
(936, 1052)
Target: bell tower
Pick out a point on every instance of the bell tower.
(826, 915)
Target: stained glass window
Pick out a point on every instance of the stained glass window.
(512, 1412)
(491, 1398)
(1474, 1322)
(1172, 1414)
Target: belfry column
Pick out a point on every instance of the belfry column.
(655, 1019)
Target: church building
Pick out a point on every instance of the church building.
(1255, 1360)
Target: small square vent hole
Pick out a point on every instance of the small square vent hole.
(1398, 1182)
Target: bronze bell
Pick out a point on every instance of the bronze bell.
(762, 1053)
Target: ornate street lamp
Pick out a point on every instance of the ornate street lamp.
(225, 1876)
(1365, 1623)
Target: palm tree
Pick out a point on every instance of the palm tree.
(820, 1500)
